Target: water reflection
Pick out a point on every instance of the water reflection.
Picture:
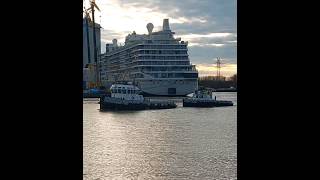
(181, 143)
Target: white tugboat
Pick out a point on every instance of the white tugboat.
(127, 97)
(204, 98)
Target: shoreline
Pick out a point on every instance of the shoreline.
(95, 96)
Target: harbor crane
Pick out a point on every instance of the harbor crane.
(91, 9)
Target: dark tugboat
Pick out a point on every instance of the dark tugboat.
(203, 98)
(127, 97)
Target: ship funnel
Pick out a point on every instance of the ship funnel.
(150, 27)
(115, 42)
(165, 26)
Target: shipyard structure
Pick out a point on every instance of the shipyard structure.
(89, 64)
(88, 46)
(157, 62)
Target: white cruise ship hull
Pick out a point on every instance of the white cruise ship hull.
(167, 87)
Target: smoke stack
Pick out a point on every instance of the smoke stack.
(165, 26)
(115, 42)
(107, 48)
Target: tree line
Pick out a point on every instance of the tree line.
(218, 82)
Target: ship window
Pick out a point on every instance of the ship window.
(171, 90)
(190, 75)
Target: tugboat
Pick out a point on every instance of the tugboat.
(127, 97)
(203, 98)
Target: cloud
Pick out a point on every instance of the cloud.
(208, 54)
(210, 26)
(211, 35)
(219, 15)
(204, 44)
(211, 39)
(119, 16)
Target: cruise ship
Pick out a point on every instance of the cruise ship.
(157, 62)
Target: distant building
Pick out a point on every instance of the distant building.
(88, 77)
(86, 60)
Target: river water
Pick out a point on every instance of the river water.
(180, 143)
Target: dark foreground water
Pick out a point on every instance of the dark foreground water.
(181, 143)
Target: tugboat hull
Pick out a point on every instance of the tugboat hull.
(161, 106)
(108, 103)
(213, 103)
(115, 106)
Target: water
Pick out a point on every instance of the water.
(181, 143)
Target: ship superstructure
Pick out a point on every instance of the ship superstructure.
(156, 62)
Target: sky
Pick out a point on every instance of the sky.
(210, 27)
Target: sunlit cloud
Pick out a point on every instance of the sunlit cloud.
(211, 69)
(123, 18)
(191, 20)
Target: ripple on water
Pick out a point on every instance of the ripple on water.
(181, 143)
